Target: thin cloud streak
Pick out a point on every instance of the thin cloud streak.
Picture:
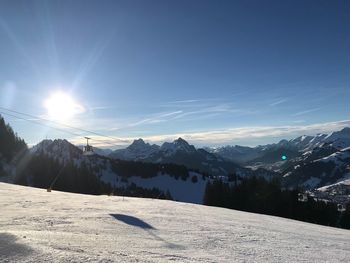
(95, 108)
(191, 103)
(219, 109)
(126, 124)
(278, 102)
(182, 101)
(156, 119)
(181, 114)
(305, 112)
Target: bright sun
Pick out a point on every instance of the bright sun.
(61, 106)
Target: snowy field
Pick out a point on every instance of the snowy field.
(37, 226)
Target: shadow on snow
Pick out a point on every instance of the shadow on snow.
(134, 221)
(10, 249)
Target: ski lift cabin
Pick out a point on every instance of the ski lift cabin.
(341, 208)
(302, 197)
(88, 150)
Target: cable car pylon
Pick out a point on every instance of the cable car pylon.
(88, 149)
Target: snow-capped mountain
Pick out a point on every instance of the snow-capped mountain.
(339, 139)
(178, 145)
(144, 179)
(294, 148)
(61, 149)
(315, 173)
(305, 143)
(312, 161)
(138, 150)
(182, 153)
(262, 156)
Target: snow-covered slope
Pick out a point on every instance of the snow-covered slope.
(340, 139)
(338, 192)
(37, 226)
(327, 170)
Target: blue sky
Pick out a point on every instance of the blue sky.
(213, 72)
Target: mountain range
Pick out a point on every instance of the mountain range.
(310, 162)
(242, 155)
(178, 170)
(271, 153)
(181, 152)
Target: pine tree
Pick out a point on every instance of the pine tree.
(10, 143)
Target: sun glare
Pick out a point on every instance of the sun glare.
(61, 106)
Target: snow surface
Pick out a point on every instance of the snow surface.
(343, 181)
(338, 157)
(312, 182)
(179, 189)
(37, 226)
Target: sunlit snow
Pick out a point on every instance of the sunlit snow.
(37, 226)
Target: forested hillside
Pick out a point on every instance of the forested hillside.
(12, 149)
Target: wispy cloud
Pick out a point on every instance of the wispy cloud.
(235, 135)
(183, 114)
(186, 114)
(157, 118)
(299, 121)
(305, 112)
(277, 102)
(95, 108)
(192, 103)
(218, 109)
(182, 101)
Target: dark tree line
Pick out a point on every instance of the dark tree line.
(10, 143)
(12, 148)
(257, 195)
(148, 170)
(135, 191)
(41, 171)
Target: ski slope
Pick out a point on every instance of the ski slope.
(37, 226)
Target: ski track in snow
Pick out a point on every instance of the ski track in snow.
(37, 226)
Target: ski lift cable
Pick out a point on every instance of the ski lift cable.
(62, 124)
(38, 123)
(52, 127)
